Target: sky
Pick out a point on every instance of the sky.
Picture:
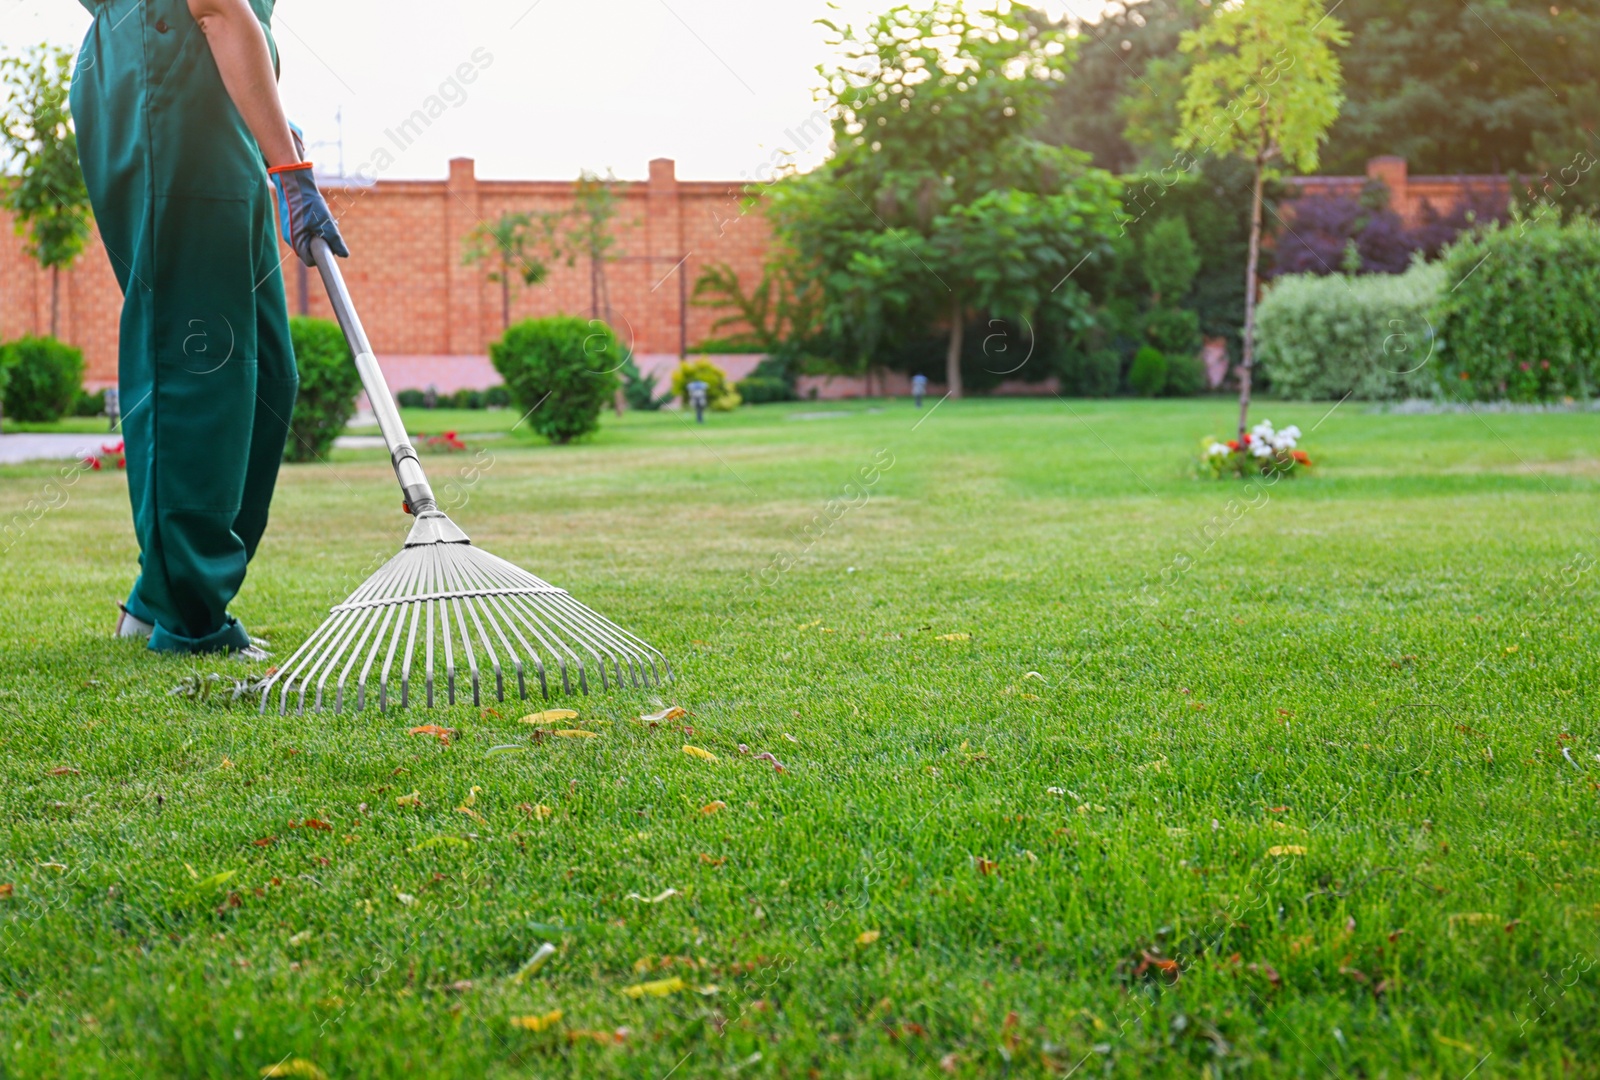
(558, 86)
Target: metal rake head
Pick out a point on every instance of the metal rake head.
(441, 606)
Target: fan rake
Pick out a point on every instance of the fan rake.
(443, 616)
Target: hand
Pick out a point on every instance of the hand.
(303, 213)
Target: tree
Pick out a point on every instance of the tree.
(594, 205)
(779, 312)
(1265, 86)
(939, 203)
(47, 194)
(509, 245)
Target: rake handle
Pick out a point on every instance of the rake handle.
(407, 468)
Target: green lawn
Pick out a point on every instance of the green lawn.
(1126, 771)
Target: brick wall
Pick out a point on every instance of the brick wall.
(422, 305)
(416, 297)
(1407, 194)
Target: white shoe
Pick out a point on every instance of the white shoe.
(130, 627)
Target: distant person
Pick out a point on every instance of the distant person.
(919, 388)
(184, 143)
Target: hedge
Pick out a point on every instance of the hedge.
(1369, 336)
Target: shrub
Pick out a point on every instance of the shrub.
(1172, 330)
(639, 389)
(721, 396)
(87, 404)
(1148, 376)
(561, 370)
(772, 380)
(1089, 372)
(412, 399)
(1186, 375)
(1367, 336)
(496, 397)
(44, 378)
(329, 384)
(1523, 319)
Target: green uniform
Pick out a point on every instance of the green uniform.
(206, 371)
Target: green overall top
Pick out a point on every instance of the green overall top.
(206, 371)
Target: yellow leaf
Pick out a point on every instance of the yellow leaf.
(296, 1067)
(1473, 918)
(61, 868)
(658, 898)
(868, 937)
(712, 807)
(1283, 826)
(542, 812)
(955, 637)
(1159, 765)
(707, 991)
(414, 799)
(703, 755)
(811, 625)
(472, 796)
(550, 716)
(659, 988)
(537, 1023)
(226, 764)
(1468, 1047)
(672, 712)
(1033, 675)
(1286, 849)
(574, 733)
(302, 937)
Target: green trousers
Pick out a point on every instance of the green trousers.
(205, 368)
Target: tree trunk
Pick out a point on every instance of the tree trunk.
(55, 302)
(505, 298)
(952, 359)
(1248, 361)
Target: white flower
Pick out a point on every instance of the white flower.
(1216, 449)
(1291, 432)
(1262, 430)
(1260, 449)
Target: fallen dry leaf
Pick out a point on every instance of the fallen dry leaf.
(443, 734)
(1278, 850)
(954, 637)
(538, 960)
(537, 1023)
(473, 814)
(65, 770)
(868, 937)
(667, 894)
(414, 799)
(659, 988)
(574, 733)
(777, 765)
(549, 716)
(1472, 918)
(712, 807)
(695, 751)
(311, 823)
(265, 841)
(673, 712)
(984, 866)
(604, 1038)
(710, 861)
(6, 891)
(299, 1068)
(542, 812)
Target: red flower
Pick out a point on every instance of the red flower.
(122, 463)
(1233, 444)
(1302, 457)
(1465, 376)
(1524, 366)
(1247, 440)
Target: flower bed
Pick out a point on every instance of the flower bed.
(1263, 452)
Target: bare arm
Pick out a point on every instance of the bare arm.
(240, 49)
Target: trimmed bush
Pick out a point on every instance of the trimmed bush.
(1323, 337)
(1186, 375)
(1148, 375)
(411, 399)
(87, 404)
(1522, 320)
(1172, 330)
(772, 380)
(329, 384)
(43, 378)
(721, 396)
(562, 371)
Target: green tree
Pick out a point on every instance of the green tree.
(939, 202)
(46, 192)
(510, 245)
(589, 235)
(1265, 86)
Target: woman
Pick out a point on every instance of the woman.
(182, 137)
